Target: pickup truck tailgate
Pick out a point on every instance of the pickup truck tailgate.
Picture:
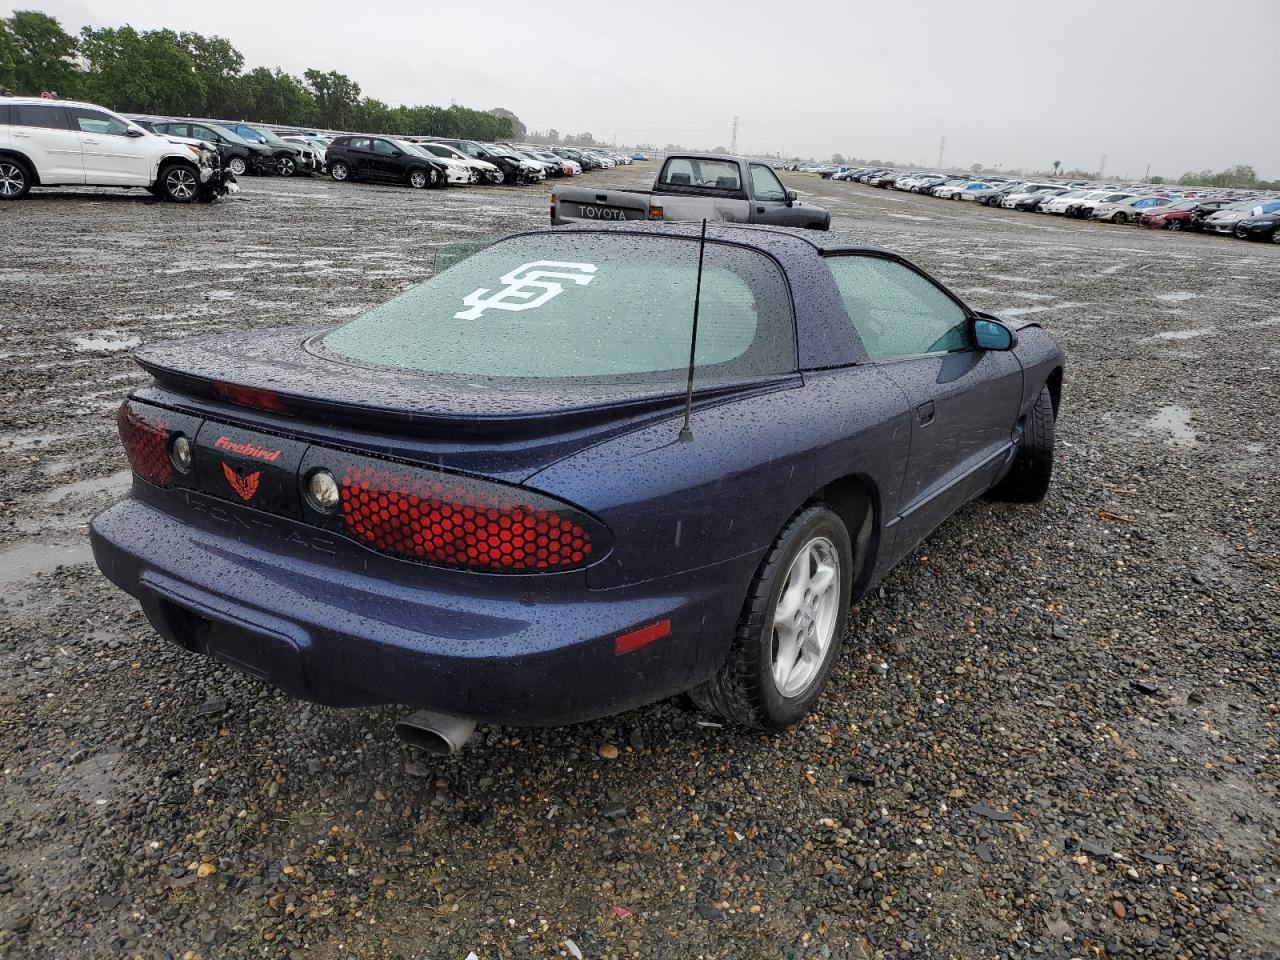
(580, 203)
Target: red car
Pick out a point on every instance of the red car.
(1178, 216)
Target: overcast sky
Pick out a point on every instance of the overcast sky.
(1180, 84)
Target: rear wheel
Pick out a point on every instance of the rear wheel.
(179, 183)
(497, 176)
(1275, 235)
(1028, 479)
(237, 166)
(339, 170)
(1120, 218)
(1175, 225)
(15, 179)
(791, 628)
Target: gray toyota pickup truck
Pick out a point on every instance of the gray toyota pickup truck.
(694, 187)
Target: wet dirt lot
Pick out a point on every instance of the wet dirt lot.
(1053, 732)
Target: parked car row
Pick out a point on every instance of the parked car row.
(424, 162)
(1247, 215)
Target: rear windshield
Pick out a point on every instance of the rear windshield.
(584, 306)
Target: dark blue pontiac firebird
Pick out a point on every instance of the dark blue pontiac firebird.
(479, 497)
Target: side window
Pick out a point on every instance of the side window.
(204, 133)
(765, 183)
(95, 121)
(37, 115)
(359, 143)
(896, 311)
(4, 115)
(383, 148)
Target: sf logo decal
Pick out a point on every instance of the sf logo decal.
(527, 286)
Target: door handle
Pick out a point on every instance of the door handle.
(22, 134)
(89, 140)
(924, 413)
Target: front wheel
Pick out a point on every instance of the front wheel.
(286, 166)
(339, 170)
(1275, 235)
(418, 179)
(497, 176)
(237, 166)
(179, 183)
(791, 628)
(1242, 233)
(1028, 479)
(1120, 218)
(1175, 225)
(15, 179)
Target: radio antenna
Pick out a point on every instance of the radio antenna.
(686, 431)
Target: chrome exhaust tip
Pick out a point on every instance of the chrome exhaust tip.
(435, 733)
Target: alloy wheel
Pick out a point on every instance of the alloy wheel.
(1175, 225)
(805, 617)
(338, 171)
(417, 179)
(180, 184)
(286, 167)
(237, 166)
(12, 180)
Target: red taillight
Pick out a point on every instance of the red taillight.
(254, 397)
(458, 522)
(146, 443)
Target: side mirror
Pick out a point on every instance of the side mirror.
(991, 334)
(791, 197)
(134, 132)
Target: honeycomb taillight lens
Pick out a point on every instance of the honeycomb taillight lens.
(460, 522)
(146, 443)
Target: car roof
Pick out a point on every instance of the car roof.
(50, 102)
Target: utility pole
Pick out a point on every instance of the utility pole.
(733, 142)
(1102, 165)
(1146, 177)
(942, 145)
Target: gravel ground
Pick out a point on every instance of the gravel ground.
(1054, 732)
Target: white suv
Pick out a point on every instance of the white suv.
(52, 143)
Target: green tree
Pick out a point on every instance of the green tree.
(273, 96)
(218, 64)
(975, 168)
(144, 72)
(8, 57)
(1057, 165)
(337, 98)
(43, 54)
(518, 129)
(837, 159)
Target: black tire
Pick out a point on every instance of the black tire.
(180, 183)
(438, 179)
(1275, 235)
(1029, 477)
(340, 171)
(1120, 218)
(1242, 233)
(419, 178)
(743, 690)
(286, 166)
(238, 166)
(1175, 225)
(497, 177)
(15, 178)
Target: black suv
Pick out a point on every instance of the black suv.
(238, 155)
(384, 159)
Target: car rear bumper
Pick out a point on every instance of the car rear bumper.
(324, 628)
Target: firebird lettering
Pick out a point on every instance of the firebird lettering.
(246, 487)
(526, 288)
(246, 449)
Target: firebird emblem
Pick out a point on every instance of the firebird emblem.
(246, 487)
(526, 288)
